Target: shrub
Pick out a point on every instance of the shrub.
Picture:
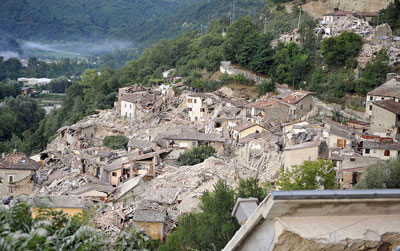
(266, 86)
(195, 155)
(116, 142)
(382, 175)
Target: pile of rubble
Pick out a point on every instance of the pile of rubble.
(350, 24)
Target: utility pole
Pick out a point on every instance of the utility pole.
(298, 24)
(206, 29)
(265, 25)
(201, 32)
(233, 11)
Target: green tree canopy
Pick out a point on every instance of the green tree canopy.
(311, 175)
(383, 175)
(342, 50)
(195, 155)
(116, 142)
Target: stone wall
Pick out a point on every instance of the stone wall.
(227, 68)
(361, 5)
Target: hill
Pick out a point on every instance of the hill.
(134, 20)
(76, 20)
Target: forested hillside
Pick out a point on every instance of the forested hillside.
(77, 20)
(134, 20)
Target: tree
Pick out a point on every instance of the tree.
(383, 175)
(341, 50)
(210, 229)
(235, 35)
(116, 142)
(374, 73)
(311, 175)
(266, 86)
(195, 155)
(250, 188)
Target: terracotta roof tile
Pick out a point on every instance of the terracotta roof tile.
(296, 96)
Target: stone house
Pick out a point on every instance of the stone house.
(380, 149)
(385, 120)
(302, 101)
(128, 190)
(351, 169)
(104, 156)
(143, 146)
(271, 111)
(93, 191)
(339, 137)
(70, 205)
(358, 126)
(199, 106)
(240, 131)
(390, 90)
(118, 171)
(322, 220)
(145, 164)
(76, 136)
(151, 220)
(296, 154)
(17, 173)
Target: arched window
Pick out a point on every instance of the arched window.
(386, 153)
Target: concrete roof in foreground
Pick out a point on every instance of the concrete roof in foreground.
(312, 203)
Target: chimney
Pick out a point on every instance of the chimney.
(244, 208)
(3, 155)
(391, 75)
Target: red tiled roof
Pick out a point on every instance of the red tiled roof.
(296, 96)
(263, 104)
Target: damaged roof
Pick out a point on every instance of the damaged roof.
(372, 144)
(389, 89)
(245, 125)
(138, 143)
(341, 132)
(302, 145)
(130, 97)
(90, 187)
(389, 105)
(18, 161)
(295, 97)
(263, 104)
(150, 215)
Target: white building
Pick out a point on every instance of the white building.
(197, 107)
(128, 106)
(388, 91)
(34, 81)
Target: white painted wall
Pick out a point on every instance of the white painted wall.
(128, 110)
(194, 105)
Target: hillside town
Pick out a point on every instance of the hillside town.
(258, 138)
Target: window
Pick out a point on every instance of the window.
(189, 100)
(125, 105)
(102, 159)
(310, 107)
(190, 109)
(367, 151)
(382, 98)
(370, 107)
(10, 178)
(114, 174)
(371, 98)
(126, 114)
(352, 159)
(341, 143)
(196, 118)
(301, 107)
(202, 109)
(130, 106)
(195, 101)
(10, 189)
(386, 153)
